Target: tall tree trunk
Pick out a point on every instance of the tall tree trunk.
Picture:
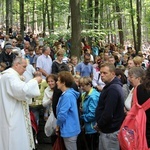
(101, 13)
(139, 15)
(69, 17)
(133, 27)
(145, 33)
(2, 11)
(11, 13)
(52, 15)
(121, 35)
(96, 14)
(22, 17)
(114, 35)
(7, 16)
(33, 16)
(76, 28)
(48, 17)
(90, 14)
(125, 28)
(108, 23)
(44, 18)
(36, 20)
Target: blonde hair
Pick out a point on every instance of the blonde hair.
(137, 60)
(74, 57)
(60, 52)
(85, 81)
(76, 76)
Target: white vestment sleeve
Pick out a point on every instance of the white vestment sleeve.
(22, 91)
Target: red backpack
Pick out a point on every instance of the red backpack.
(132, 135)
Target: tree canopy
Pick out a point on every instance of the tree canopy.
(114, 21)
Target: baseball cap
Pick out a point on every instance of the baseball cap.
(8, 47)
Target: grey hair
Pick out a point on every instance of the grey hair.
(109, 65)
(17, 59)
(136, 72)
(45, 48)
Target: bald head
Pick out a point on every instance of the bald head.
(19, 65)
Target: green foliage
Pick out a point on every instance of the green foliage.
(55, 36)
(105, 24)
(66, 35)
(94, 34)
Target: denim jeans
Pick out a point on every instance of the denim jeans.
(109, 141)
(70, 143)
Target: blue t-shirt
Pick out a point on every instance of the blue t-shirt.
(84, 70)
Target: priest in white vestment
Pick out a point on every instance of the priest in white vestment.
(15, 95)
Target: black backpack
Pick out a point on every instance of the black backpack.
(63, 67)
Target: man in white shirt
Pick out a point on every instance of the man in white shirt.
(44, 62)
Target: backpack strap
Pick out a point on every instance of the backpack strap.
(98, 76)
(134, 97)
(145, 105)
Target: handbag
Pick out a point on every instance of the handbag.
(50, 125)
(59, 144)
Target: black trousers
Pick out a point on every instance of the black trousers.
(87, 141)
(92, 141)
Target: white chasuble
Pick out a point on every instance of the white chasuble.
(15, 125)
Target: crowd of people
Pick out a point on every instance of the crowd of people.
(89, 96)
